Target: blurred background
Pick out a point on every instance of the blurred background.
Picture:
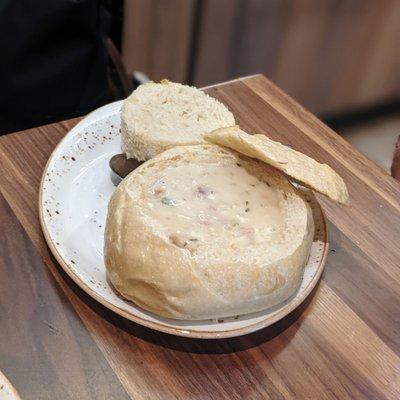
(338, 58)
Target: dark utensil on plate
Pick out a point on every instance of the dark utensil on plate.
(122, 166)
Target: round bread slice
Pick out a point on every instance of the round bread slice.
(203, 232)
(158, 116)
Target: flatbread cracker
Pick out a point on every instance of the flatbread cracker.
(310, 173)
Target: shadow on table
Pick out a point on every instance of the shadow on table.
(189, 345)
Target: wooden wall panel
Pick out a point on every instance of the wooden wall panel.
(301, 65)
(157, 37)
(332, 56)
(215, 41)
(382, 76)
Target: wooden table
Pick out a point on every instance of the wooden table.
(343, 342)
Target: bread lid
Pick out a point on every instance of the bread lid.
(310, 173)
(159, 116)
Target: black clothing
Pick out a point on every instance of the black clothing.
(53, 61)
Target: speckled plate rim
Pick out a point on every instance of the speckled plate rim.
(11, 389)
(270, 319)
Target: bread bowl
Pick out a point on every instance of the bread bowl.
(203, 232)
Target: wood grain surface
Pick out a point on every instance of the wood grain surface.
(342, 342)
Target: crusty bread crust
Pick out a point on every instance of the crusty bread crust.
(307, 171)
(145, 267)
(158, 116)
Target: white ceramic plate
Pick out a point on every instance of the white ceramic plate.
(75, 190)
(7, 391)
